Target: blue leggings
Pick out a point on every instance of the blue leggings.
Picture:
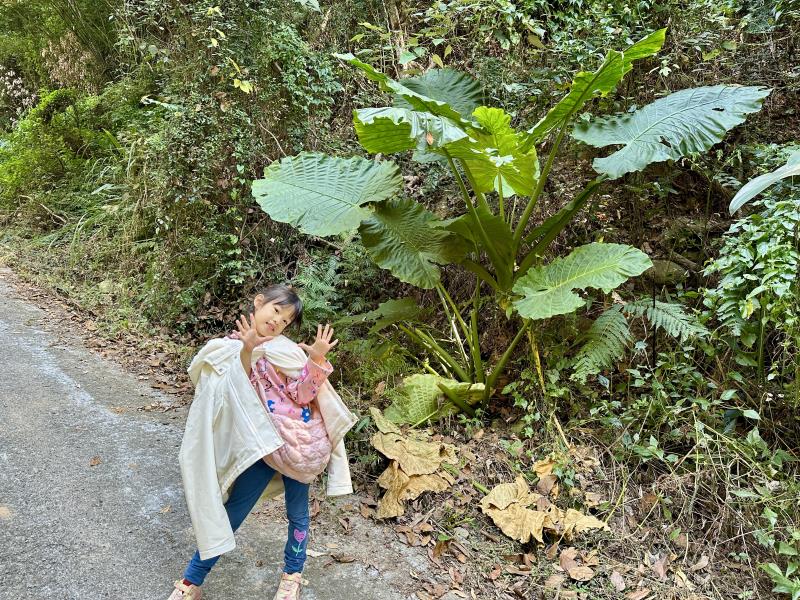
(245, 492)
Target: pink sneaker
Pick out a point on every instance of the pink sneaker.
(185, 592)
(289, 587)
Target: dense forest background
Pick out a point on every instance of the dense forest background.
(131, 133)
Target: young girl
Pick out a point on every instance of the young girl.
(292, 404)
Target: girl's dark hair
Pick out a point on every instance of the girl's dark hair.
(284, 295)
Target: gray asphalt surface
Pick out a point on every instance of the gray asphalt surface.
(119, 528)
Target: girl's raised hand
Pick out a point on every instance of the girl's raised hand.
(249, 334)
(322, 345)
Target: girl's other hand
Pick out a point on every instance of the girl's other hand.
(249, 334)
(322, 345)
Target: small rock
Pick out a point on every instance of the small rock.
(666, 272)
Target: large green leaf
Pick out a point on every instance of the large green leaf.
(387, 313)
(494, 155)
(420, 398)
(601, 82)
(754, 187)
(391, 129)
(414, 100)
(548, 290)
(497, 230)
(403, 237)
(323, 195)
(460, 90)
(688, 121)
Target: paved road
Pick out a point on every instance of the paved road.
(71, 529)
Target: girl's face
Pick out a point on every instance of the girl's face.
(272, 318)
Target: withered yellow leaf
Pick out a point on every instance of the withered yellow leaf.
(417, 484)
(390, 506)
(580, 573)
(401, 487)
(575, 522)
(415, 457)
(544, 467)
(518, 522)
(505, 494)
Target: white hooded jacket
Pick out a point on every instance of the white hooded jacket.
(228, 429)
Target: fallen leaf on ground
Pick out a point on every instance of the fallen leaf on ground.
(401, 488)
(618, 581)
(592, 499)
(638, 594)
(580, 573)
(315, 554)
(166, 509)
(518, 522)
(95, 460)
(415, 457)
(576, 522)
(507, 505)
(546, 484)
(567, 559)
(508, 493)
(554, 581)
(591, 559)
(551, 551)
(5, 513)
(682, 581)
(544, 467)
(700, 564)
(660, 567)
(343, 558)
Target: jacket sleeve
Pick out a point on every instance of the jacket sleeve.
(198, 470)
(306, 387)
(339, 480)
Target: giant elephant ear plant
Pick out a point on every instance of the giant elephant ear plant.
(439, 116)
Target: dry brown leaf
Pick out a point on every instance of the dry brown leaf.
(580, 573)
(515, 570)
(505, 494)
(545, 484)
(315, 554)
(519, 523)
(682, 581)
(544, 467)
(618, 581)
(591, 559)
(567, 558)
(95, 460)
(592, 499)
(551, 551)
(575, 522)
(343, 558)
(700, 564)
(415, 457)
(660, 567)
(554, 581)
(638, 594)
(496, 571)
(166, 509)
(5, 512)
(401, 488)
(647, 502)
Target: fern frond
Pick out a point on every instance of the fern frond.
(606, 341)
(668, 316)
